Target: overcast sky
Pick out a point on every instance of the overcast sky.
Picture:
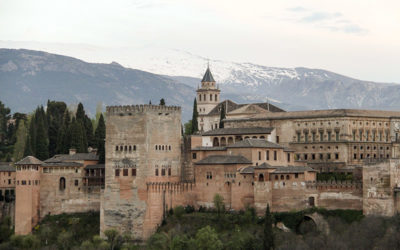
(358, 38)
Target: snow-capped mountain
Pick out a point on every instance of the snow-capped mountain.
(295, 88)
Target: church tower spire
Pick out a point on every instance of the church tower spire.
(207, 99)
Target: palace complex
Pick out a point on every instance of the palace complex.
(258, 155)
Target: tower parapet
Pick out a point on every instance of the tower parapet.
(130, 109)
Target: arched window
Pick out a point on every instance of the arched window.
(210, 97)
(276, 177)
(287, 177)
(162, 147)
(216, 97)
(163, 172)
(282, 177)
(116, 148)
(169, 147)
(200, 98)
(261, 177)
(126, 148)
(204, 97)
(230, 140)
(130, 148)
(121, 148)
(215, 142)
(223, 141)
(156, 147)
(134, 147)
(62, 183)
(169, 171)
(156, 171)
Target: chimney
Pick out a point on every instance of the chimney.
(72, 151)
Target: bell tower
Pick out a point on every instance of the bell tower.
(207, 96)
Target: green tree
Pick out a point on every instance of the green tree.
(268, 238)
(4, 117)
(54, 113)
(19, 147)
(188, 128)
(195, 126)
(77, 133)
(42, 144)
(63, 137)
(100, 136)
(222, 116)
(219, 203)
(162, 102)
(112, 237)
(65, 240)
(6, 229)
(207, 239)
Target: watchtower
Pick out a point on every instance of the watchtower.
(143, 145)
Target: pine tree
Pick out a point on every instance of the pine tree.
(100, 136)
(42, 146)
(195, 126)
(162, 102)
(19, 147)
(222, 116)
(80, 113)
(63, 138)
(54, 113)
(268, 233)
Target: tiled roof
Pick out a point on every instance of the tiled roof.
(248, 170)
(264, 166)
(223, 159)
(208, 76)
(255, 143)
(210, 148)
(293, 169)
(6, 167)
(324, 114)
(62, 164)
(239, 131)
(229, 106)
(73, 157)
(29, 160)
(97, 166)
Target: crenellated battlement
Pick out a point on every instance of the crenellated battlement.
(130, 109)
(334, 185)
(170, 186)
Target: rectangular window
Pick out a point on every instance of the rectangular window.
(361, 135)
(277, 139)
(355, 156)
(373, 135)
(329, 136)
(306, 136)
(366, 135)
(9, 181)
(305, 156)
(337, 156)
(209, 175)
(194, 156)
(267, 155)
(133, 171)
(297, 157)
(76, 182)
(313, 136)
(163, 172)
(312, 156)
(259, 156)
(337, 135)
(321, 136)
(125, 172)
(380, 135)
(321, 156)
(23, 182)
(387, 136)
(288, 157)
(298, 136)
(116, 172)
(296, 175)
(328, 156)
(275, 156)
(354, 135)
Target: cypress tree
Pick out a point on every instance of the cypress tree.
(19, 148)
(32, 137)
(80, 113)
(162, 102)
(63, 138)
(100, 136)
(77, 135)
(42, 146)
(268, 238)
(89, 132)
(195, 126)
(55, 113)
(222, 116)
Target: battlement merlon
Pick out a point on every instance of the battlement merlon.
(129, 109)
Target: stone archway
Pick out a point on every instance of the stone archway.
(215, 142)
(312, 222)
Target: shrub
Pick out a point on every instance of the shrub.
(179, 211)
(189, 209)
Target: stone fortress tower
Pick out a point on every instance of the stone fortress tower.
(208, 96)
(27, 203)
(143, 147)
